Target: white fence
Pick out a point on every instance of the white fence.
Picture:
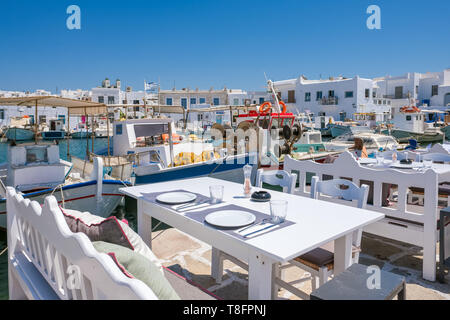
(47, 261)
(411, 224)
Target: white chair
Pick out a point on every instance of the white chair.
(320, 261)
(436, 157)
(280, 178)
(275, 178)
(400, 155)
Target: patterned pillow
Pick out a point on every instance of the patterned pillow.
(109, 230)
(135, 265)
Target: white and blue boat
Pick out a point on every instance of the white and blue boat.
(55, 132)
(81, 132)
(37, 171)
(158, 157)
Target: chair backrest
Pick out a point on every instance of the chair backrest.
(400, 155)
(436, 157)
(67, 261)
(340, 188)
(280, 178)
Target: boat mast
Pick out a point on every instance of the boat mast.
(35, 123)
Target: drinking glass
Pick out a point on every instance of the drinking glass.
(278, 210)
(216, 193)
(380, 158)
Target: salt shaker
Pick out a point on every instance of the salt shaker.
(247, 183)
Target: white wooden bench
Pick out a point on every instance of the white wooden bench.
(47, 261)
(401, 223)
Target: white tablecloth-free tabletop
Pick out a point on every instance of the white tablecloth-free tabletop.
(316, 223)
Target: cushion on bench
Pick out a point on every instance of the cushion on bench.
(139, 267)
(133, 240)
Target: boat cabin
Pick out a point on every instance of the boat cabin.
(34, 167)
(411, 121)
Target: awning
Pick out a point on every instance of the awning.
(76, 107)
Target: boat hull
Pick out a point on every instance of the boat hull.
(79, 196)
(404, 136)
(53, 135)
(19, 134)
(81, 135)
(337, 130)
(230, 170)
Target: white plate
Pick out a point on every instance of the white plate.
(402, 166)
(176, 197)
(230, 218)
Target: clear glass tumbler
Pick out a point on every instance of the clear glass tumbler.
(216, 193)
(278, 210)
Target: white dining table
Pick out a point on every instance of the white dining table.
(315, 223)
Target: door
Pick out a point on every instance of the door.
(398, 92)
(447, 99)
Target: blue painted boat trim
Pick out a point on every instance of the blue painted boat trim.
(72, 186)
(189, 172)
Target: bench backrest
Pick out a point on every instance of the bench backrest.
(67, 261)
(346, 167)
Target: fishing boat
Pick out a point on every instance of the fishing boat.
(81, 132)
(159, 154)
(37, 171)
(103, 130)
(340, 128)
(20, 129)
(411, 123)
(372, 142)
(55, 131)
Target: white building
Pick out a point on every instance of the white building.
(337, 97)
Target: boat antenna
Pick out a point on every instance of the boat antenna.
(274, 94)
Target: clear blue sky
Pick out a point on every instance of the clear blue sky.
(203, 43)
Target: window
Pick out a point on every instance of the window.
(118, 129)
(199, 117)
(398, 92)
(291, 96)
(42, 119)
(2, 114)
(202, 100)
(169, 101)
(101, 99)
(184, 102)
(216, 101)
(349, 94)
(331, 94)
(307, 96)
(374, 94)
(434, 90)
(110, 100)
(367, 93)
(318, 95)
(193, 101)
(62, 118)
(261, 100)
(124, 102)
(408, 118)
(235, 102)
(321, 114)
(135, 101)
(137, 109)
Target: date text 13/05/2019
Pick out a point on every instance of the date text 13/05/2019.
(231, 309)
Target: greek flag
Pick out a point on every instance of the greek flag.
(150, 86)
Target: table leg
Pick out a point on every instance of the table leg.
(144, 223)
(216, 265)
(260, 277)
(342, 253)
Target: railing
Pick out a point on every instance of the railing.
(329, 101)
(402, 223)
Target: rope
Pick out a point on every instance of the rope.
(62, 194)
(3, 251)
